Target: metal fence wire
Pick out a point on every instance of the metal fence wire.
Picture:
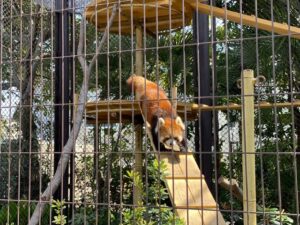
(81, 144)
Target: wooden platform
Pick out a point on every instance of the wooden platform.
(154, 16)
(165, 15)
(127, 111)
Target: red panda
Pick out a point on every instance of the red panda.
(166, 126)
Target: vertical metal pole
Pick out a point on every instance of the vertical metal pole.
(62, 95)
(73, 97)
(249, 185)
(138, 127)
(202, 83)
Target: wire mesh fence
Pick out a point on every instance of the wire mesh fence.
(75, 144)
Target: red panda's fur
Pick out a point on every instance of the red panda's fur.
(158, 111)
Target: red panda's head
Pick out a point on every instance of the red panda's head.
(134, 81)
(170, 131)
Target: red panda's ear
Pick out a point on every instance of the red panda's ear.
(161, 121)
(180, 123)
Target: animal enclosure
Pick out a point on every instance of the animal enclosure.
(81, 143)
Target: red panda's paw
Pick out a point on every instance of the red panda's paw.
(175, 148)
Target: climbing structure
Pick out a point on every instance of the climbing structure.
(162, 15)
(188, 190)
(189, 193)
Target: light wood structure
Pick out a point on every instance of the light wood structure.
(240, 18)
(188, 190)
(189, 193)
(138, 156)
(156, 15)
(163, 15)
(125, 109)
(248, 148)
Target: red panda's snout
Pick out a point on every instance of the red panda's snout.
(171, 131)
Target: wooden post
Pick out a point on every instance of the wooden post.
(174, 97)
(138, 51)
(247, 20)
(137, 195)
(75, 99)
(248, 148)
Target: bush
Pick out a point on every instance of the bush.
(17, 213)
(152, 209)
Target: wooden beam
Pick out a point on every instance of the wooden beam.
(248, 148)
(261, 105)
(182, 6)
(252, 21)
(174, 97)
(232, 186)
(138, 154)
(125, 108)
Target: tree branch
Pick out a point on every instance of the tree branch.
(28, 89)
(62, 165)
(35, 28)
(231, 186)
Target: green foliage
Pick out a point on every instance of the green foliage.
(275, 130)
(99, 216)
(17, 213)
(272, 216)
(58, 207)
(15, 170)
(151, 210)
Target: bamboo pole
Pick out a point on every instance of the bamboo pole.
(248, 148)
(137, 194)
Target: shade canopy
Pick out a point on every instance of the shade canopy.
(153, 16)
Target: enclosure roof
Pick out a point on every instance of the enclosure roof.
(153, 16)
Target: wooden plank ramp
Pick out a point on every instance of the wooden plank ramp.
(188, 190)
(189, 193)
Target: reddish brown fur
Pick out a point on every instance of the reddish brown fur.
(155, 103)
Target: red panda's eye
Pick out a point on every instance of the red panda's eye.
(165, 139)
